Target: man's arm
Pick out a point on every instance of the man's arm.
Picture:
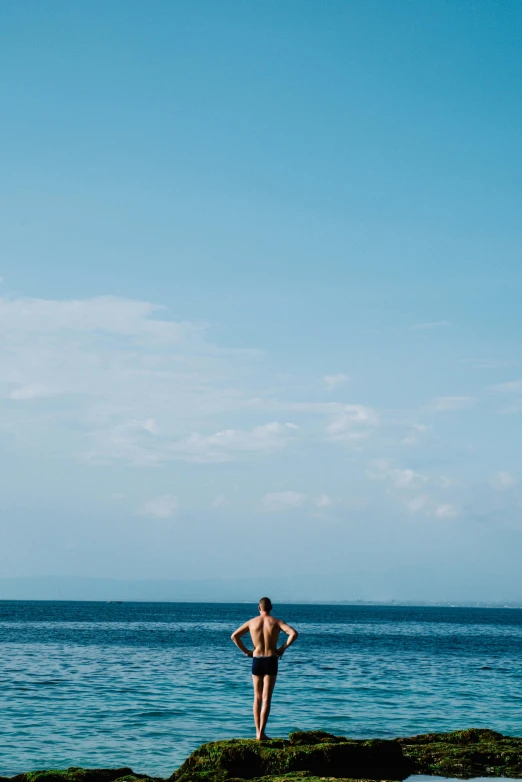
(238, 634)
(292, 636)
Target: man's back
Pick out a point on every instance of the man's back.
(264, 631)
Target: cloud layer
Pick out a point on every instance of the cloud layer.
(113, 381)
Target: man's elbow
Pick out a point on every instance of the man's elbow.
(233, 637)
(296, 635)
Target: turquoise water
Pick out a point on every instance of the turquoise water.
(142, 684)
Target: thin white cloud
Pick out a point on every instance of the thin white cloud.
(426, 506)
(150, 425)
(101, 315)
(417, 492)
(444, 482)
(416, 435)
(283, 500)
(350, 423)
(347, 423)
(400, 478)
(446, 511)
(129, 384)
(128, 442)
(323, 501)
(418, 504)
(219, 501)
(227, 444)
(433, 324)
(341, 419)
(516, 407)
(444, 404)
(137, 384)
(511, 387)
(406, 479)
(504, 480)
(289, 500)
(334, 381)
(163, 507)
(32, 391)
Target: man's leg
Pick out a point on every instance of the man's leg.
(268, 689)
(257, 681)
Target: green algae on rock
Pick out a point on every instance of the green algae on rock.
(465, 754)
(76, 774)
(313, 753)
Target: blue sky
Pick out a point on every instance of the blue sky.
(260, 293)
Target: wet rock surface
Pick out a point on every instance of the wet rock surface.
(316, 756)
(312, 753)
(465, 754)
(75, 774)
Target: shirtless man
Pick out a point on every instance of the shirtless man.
(264, 631)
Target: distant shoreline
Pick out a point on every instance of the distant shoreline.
(327, 590)
(325, 603)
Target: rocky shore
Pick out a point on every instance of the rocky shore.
(315, 755)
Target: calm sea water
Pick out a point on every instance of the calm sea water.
(143, 684)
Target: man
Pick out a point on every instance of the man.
(264, 631)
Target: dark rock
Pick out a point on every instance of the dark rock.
(76, 774)
(312, 753)
(314, 737)
(465, 754)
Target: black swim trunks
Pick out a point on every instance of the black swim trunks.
(265, 666)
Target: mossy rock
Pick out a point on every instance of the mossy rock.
(311, 737)
(465, 754)
(308, 754)
(76, 774)
(300, 777)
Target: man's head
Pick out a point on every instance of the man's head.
(265, 604)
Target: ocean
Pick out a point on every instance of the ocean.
(143, 684)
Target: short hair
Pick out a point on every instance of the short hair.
(265, 604)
